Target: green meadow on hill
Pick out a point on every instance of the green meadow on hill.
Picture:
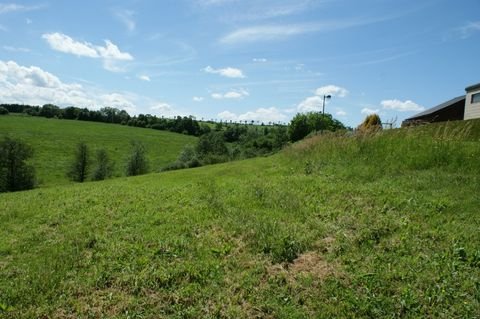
(379, 225)
(54, 142)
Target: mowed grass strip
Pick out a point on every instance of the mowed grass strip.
(54, 142)
(349, 227)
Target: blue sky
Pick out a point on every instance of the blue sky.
(261, 60)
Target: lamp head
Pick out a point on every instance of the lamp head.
(328, 97)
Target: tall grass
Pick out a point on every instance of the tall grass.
(443, 147)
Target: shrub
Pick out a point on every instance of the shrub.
(137, 163)
(3, 111)
(78, 171)
(15, 173)
(104, 166)
(211, 144)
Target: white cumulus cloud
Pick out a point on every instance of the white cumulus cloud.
(236, 94)
(197, 99)
(64, 43)
(110, 53)
(165, 109)
(32, 85)
(368, 111)
(315, 103)
(226, 72)
(264, 115)
(311, 104)
(332, 90)
(401, 106)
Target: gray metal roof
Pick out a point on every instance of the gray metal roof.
(438, 107)
(472, 87)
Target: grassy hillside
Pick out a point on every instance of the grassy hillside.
(54, 143)
(372, 227)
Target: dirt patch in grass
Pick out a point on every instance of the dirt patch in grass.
(311, 264)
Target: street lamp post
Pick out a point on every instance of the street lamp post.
(328, 97)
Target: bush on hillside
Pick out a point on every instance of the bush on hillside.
(103, 166)
(211, 144)
(15, 173)
(137, 163)
(80, 165)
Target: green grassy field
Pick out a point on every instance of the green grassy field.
(382, 226)
(54, 142)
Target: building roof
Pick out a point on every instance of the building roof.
(437, 108)
(472, 87)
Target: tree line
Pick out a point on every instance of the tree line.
(300, 126)
(179, 124)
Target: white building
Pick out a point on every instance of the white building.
(472, 102)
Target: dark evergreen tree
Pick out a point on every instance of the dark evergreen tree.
(79, 169)
(15, 173)
(137, 163)
(103, 166)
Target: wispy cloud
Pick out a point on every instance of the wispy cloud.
(126, 17)
(226, 72)
(213, 2)
(469, 29)
(197, 98)
(144, 77)
(110, 53)
(13, 7)
(282, 31)
(268, 9)
(267, 33)
(15, 49)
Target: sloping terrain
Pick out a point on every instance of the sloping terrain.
(367, 226)
(54, 142)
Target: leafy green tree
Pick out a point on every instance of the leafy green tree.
(211, 144)
(79, 168)
(3, 111)
(305, 123)
(137, 163)
(299, 127)
(49, 110)
(103, 166)
(15, 173)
